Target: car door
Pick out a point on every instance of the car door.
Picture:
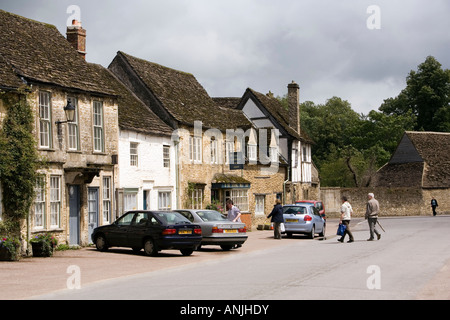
(139, 228)
(118, 234)
(318, 222)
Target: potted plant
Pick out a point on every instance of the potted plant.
(43, 245)
(9, 249)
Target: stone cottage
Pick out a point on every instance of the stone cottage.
(75, 189)
(208, 139)
(420, 164)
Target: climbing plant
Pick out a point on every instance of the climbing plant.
(18, 157)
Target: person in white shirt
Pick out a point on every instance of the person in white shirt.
(234, 214)
(346, 216)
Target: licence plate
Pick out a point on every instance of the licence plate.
(291, 220)
(230, 231)
(184, 231)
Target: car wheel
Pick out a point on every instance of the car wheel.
(100, 243)
(322, 234)
(150, 248)
(313, 232)
(186, 252)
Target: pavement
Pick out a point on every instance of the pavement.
(31, 276)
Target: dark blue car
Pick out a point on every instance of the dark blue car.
(152, 231)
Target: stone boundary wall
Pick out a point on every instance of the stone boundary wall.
(393, 201)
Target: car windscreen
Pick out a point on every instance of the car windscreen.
(171, 218)
(294, 210)
(211, 215)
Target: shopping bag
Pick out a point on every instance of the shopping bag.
(282, 229)
(341, 229)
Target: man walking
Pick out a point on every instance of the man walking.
(372, 210)
(277, 218)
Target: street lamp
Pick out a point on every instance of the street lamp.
(69, 110)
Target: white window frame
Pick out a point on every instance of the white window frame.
(98, 138)
(106, 188)
(259, 204)
(55, 201)
(195, 149)
(73, 132)
(134, 154)
(164, 200)
(166, 156)
(294, 158)
(252, 152)
(130, 201)
(214, 152)
(240, 198)
(196, 198)
(39, 203)
(45, 123)
(229, 149)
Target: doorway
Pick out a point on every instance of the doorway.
(74, 215)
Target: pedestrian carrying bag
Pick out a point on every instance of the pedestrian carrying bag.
(341, 229)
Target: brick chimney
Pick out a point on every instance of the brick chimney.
(76, 35)
(294, 106)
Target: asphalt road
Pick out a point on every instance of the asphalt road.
(411, 261)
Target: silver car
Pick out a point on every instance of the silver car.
(216, 228)
(304, 219)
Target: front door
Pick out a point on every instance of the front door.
(74, 215)
(92, 210)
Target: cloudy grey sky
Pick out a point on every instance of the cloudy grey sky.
(230, 45)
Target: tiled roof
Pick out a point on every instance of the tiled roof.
(133, 114)
(8, 78)
(183, 96)
(434, 148)
(271, 104)
(37, 52)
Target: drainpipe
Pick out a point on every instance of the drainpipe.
(177, 168)
(284, 185)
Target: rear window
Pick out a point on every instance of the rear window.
(294, 210)
(211, 215)
(171, 218)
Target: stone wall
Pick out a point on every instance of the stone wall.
(393, 201)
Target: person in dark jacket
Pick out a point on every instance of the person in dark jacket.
(434, 204)
(277, 218)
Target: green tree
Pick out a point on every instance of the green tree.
(349, 147)
(427, 96)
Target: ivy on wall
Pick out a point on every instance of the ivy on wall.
(18, 159)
